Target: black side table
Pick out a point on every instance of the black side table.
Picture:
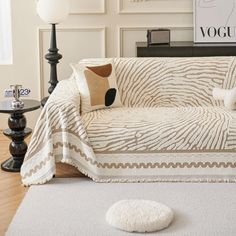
(17, 132)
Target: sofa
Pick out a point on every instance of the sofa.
(169, 128)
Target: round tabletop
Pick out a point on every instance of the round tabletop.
(29, 105)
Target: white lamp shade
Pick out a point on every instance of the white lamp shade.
(53, 11)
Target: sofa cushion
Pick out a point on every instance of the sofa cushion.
(161, 129)
(173, 82)
(97, 86)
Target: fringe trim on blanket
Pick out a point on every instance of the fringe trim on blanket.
(40, 182)
(139, 180)
(146, 180)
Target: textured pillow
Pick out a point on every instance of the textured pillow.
(139, 216)
(227, 95)
(97, 86)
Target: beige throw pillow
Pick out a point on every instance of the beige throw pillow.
(97, 86)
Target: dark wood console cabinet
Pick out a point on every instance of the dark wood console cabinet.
(185, 49)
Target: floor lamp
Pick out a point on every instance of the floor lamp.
(52, 12)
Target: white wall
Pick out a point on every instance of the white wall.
(96, 28)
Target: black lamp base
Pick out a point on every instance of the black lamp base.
(53, 58)
(43, 101)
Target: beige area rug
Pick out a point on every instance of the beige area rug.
(77, 207)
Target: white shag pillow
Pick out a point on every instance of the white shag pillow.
(227, 95)
(139, 216)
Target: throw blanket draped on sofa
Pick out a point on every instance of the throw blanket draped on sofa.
(170, 128)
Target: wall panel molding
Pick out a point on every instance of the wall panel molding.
(139, 33)
(155, 6)
(99, 32)
(87, 7)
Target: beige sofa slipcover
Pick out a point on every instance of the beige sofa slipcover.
(169, 129)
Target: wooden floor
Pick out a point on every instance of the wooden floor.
(11, 190)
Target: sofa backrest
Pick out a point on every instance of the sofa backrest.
(173, 81)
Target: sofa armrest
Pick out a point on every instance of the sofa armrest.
(59, 136)
(65, 93)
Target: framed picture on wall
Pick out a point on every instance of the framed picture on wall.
(214, 21)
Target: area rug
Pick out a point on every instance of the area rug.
(77, 207)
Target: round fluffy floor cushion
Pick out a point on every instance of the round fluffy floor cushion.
(139, 216)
